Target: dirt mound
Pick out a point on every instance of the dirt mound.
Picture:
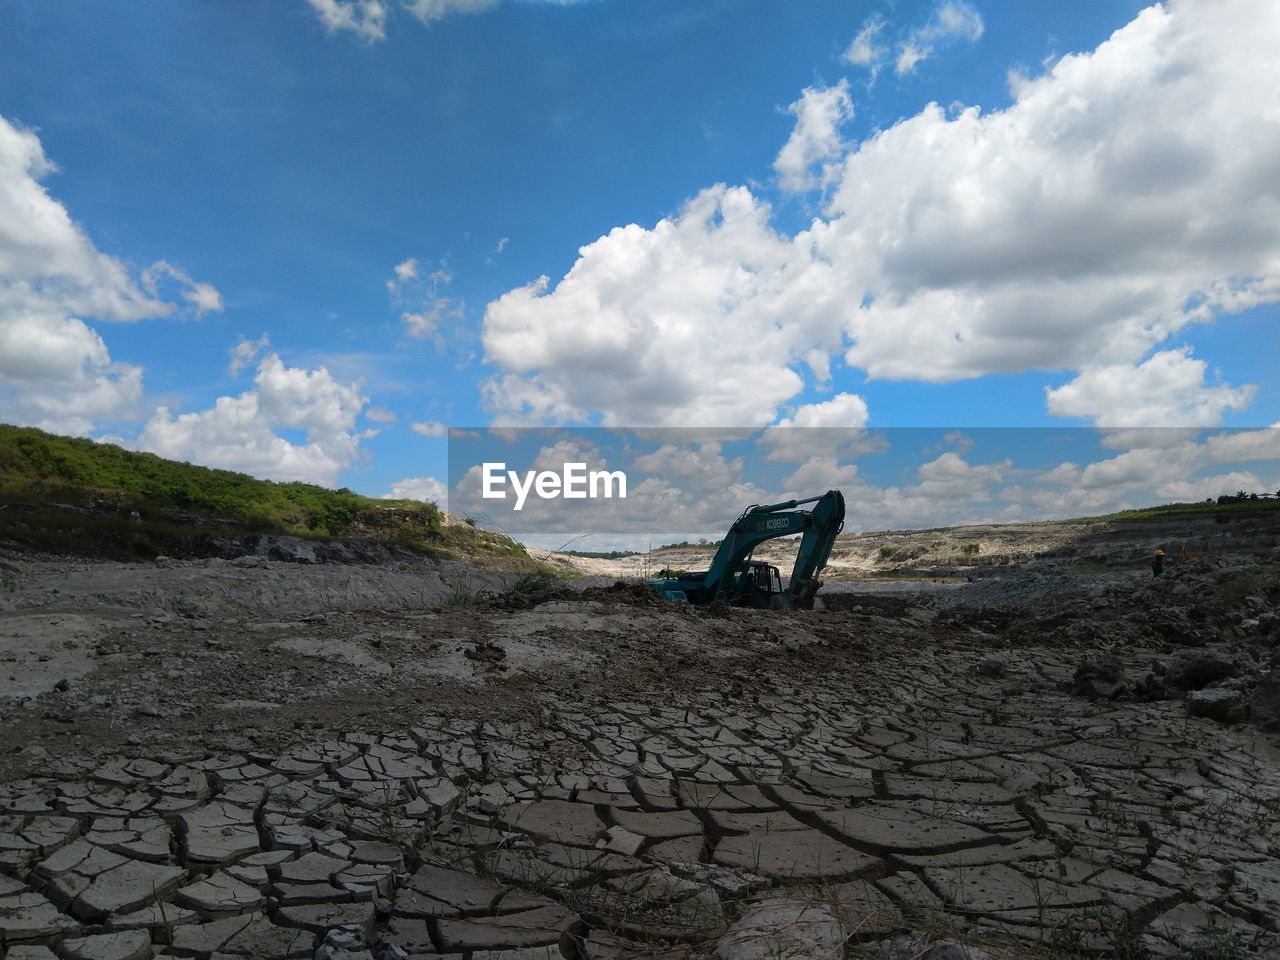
(881, 604)
(532, 591)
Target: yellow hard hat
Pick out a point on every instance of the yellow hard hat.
(1159, 552)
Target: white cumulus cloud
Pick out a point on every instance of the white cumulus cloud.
(864, 51)
(1124, 194)
(201, 297)
(842, 410)
(427, 308)
(429, 10)
(805, 161)
(1206, 488)
(428, 428)
(242, 432)
(427, 489)
(245, 352)
(681, 324)
(406, 270)
(1167, 390)
(365, 18)
(1245, 445)
(952, 21)
(56, 371)
(1118, 199)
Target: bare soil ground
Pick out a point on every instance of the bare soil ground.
(257, 758)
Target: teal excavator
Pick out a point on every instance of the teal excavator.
(742, 582)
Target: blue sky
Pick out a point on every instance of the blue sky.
(299, 238)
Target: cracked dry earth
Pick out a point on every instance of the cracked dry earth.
(886, 779)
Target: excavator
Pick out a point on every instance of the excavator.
(743, 582)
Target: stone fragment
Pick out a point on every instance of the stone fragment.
(792, 854)
(912, 893)
(1201, 930)
(561, 821)
(1100, 678)
(127, 887)
(221, 893)
(153, 915)
(739, 821)
(892, 829)
(722, 796)
(125, 945)
(659, 826)
(463, 893)
(1218, 703)
(442, 797)
(1196, 669)
(528, 869)
(409, 934)
(795, 799)
(658, 885)
(999, 887)
(366, 880)
(1026, 849)
(1264, 702)
(523, 953)
(865, 910)
(907, 947)
(10, 886)
(376, 851)
(207, 938)
(219, 832)
(656, 792)
(951, 950)
(677, 850)
(261, 939)
(311, 868)
(80, 857)
(27, 951)
(256, 938)
(859, 787)
(531, 928)
(30, 916)
(320, 918)
(295, 894)
(45, 834)
(618, 840)
(146, 838)
(784, 930)
(945, 791)
(326, 952)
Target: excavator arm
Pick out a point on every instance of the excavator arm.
(825, 521)
(728, 577)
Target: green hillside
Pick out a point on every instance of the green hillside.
(66, 494)
(1232, 506)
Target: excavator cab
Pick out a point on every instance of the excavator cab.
(764, 582)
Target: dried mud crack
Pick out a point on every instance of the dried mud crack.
(1035, 766)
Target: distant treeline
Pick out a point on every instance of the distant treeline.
(690, 544)
(1240, 496)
